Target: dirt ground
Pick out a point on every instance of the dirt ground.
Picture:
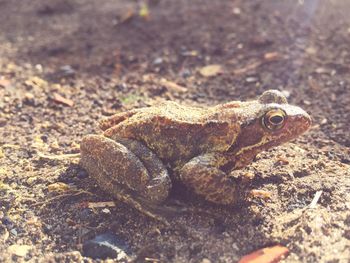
(65, 64)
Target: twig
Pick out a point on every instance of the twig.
(70, 194)
(59, 157)
(315, 200)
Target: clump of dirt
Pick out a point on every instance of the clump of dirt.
(65, 64)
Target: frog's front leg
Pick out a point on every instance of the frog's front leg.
(127, 170)
(204, 176)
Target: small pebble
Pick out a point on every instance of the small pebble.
(13, 231)
(82, 174)
(67, 71)
(105, 246)
(236, 11)
(251, 79)
(106, 211)
(158, 61)
(19, 250)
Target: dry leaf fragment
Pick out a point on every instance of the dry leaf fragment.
(59, 99)
(266, 255)
(272, 56)
(211, 70)
(4, 82)
(58, 187)
(247, 68)
(268, 57)
(172, 86)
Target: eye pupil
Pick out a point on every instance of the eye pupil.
(274, 119)
(277, 119)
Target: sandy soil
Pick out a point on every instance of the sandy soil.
(65, 64)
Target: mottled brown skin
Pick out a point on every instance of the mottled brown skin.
(202, 147)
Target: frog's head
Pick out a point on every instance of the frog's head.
(269, 122)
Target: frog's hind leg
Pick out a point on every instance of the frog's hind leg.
(129, 171)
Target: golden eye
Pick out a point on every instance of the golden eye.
(274, 119)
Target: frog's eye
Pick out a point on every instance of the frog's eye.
(274, 119)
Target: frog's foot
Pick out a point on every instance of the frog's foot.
(202, 174)
(128, 171)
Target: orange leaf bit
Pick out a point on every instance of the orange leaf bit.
(266, 255)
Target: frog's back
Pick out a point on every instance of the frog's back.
(174, 132)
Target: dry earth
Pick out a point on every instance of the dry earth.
(64, 64)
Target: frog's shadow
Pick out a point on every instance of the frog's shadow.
(198, 217)
(180, 197)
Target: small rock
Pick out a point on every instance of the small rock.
(324, 121)
(29, 99)
(13, 231)
(321, 70)
(158, 61)
(236, 11)
(106, 211)
(185, 73)
(190, 53)
(307, 102)
(19, 250)
(105, 246)
(39, 68)
(82, 174)
(67, 71)
(251, 79)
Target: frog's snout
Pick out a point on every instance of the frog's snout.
(308, 119)
(301, 122)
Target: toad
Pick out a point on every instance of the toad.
(142, 151)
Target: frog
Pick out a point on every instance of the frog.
(142, 152)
